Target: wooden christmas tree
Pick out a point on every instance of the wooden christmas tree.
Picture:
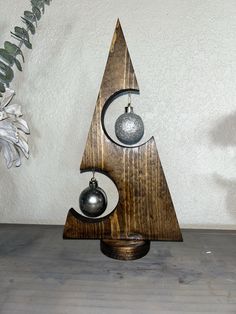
(145, 210)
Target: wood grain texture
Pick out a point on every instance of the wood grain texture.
(125, 249)
(145, 210)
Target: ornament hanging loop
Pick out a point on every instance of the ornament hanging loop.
(129, 99)
(93, 181)
(129, 108)
(93, 177)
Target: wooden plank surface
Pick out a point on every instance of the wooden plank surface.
(41, 273)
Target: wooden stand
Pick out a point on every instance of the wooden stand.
(125, 249)
(145, 210)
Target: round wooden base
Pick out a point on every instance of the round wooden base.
(125, 249)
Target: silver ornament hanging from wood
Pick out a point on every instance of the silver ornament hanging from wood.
(93, 200)
(129, 127)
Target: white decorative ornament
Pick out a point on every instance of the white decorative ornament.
(13, 131)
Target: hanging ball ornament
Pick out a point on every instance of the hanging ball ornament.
(129, 127)
(93, 200)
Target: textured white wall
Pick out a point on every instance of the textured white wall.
(184, 55)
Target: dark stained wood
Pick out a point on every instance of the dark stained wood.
(145, 210)
(125, 249)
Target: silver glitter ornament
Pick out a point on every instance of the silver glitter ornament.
(93, 200)
(129, 127)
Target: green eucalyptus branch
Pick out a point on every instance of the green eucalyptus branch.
(10, 52)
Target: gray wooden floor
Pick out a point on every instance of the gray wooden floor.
(41, 273)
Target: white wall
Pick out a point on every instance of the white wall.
(184, 55)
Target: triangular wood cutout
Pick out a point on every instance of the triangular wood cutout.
(145, 210)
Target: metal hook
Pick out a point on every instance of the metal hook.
(129, 99)
(93, 177)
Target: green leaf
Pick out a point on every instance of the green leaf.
(30, 25)
(13, 49)
(22, 32)
(2, 88)
(42, 5)
(30, 16)
(9, 59)
(36, 12)
(6, 73)
(18, 65)
(6, 57)
(39, 4)
(23, 40)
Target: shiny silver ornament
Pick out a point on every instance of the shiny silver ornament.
(93, 200)
(129, 127)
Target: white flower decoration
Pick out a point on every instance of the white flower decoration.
(13, 131)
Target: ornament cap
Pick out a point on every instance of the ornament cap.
(129, 109)
(93, 183)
